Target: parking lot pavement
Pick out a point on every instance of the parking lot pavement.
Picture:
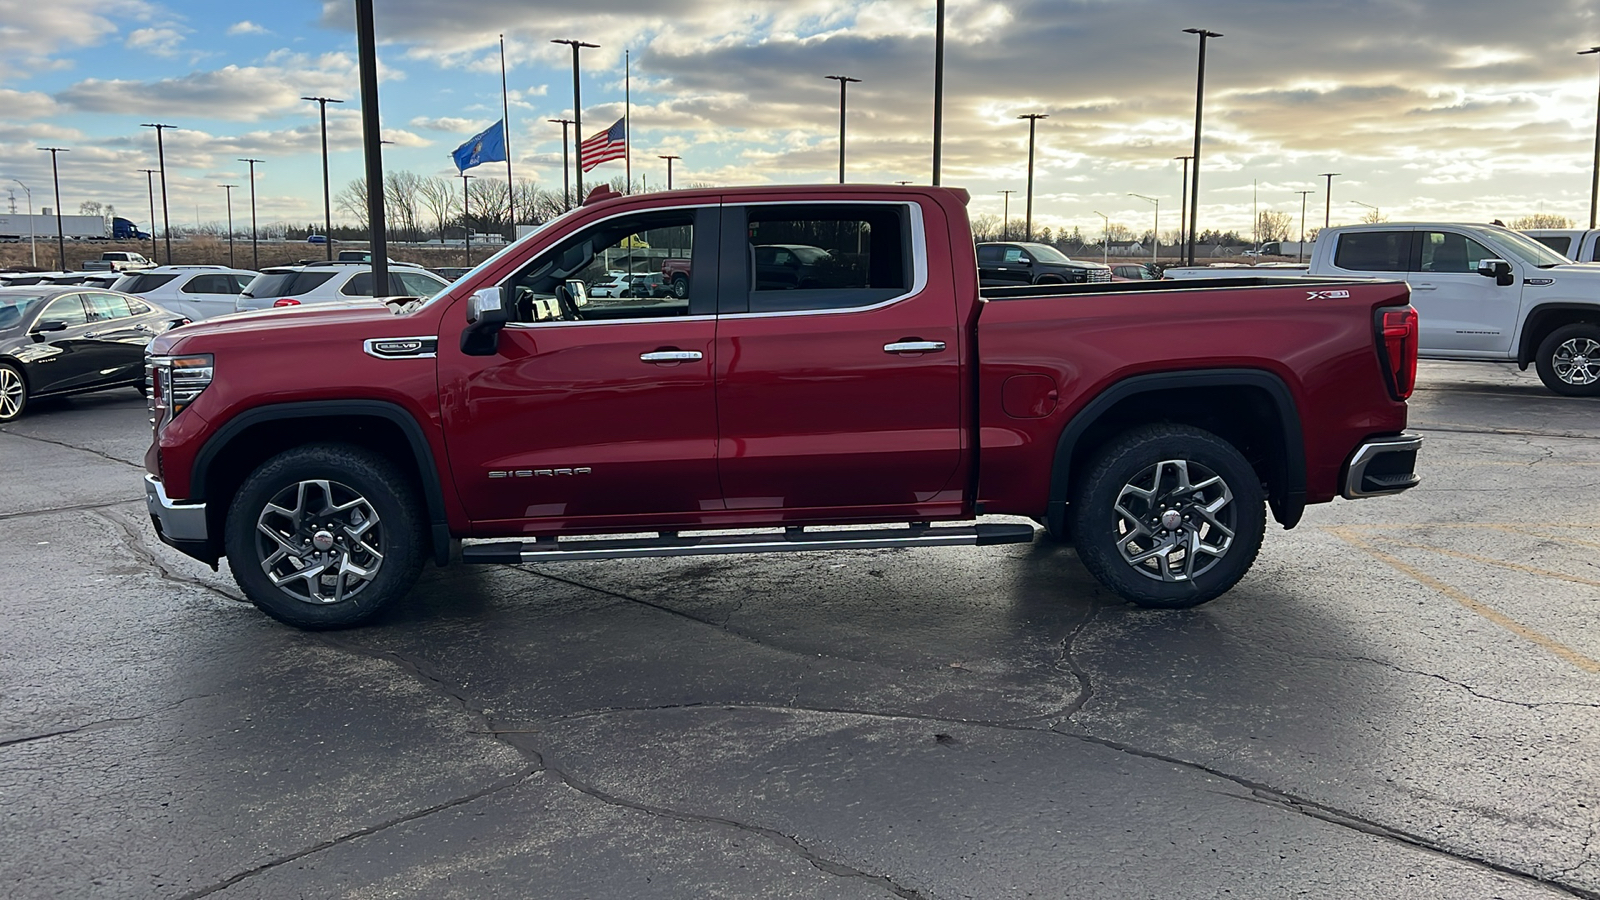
(1400, 699)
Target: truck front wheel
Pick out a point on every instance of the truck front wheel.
(1568, 360)
(1168, 516)
(324, 536)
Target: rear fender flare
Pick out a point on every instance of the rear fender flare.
(1288, 500)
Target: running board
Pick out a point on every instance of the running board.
(792, 540)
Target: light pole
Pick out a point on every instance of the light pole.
(1033, 122)
(150, 185)
(844, 82)
(1376, 216)
(1199, 105)
(327, 197)
(938, 88)
(55, 175)
(161, 163)
(1005, 215)
(1594, 184)
(1157, 240)
(1183, 205)
(1327, 198)
(1300, 251)
(34, 247)
(1105, 239)
(466, 209)
(669, 158)
(566, 189)
(577, 110)
(255, 252)
(228, 189)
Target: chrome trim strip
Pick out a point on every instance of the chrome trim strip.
(535, 325)
(178, 521)
(427, 341)
(1407, 442)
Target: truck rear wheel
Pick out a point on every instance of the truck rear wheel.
(1568, 360)
(1168, 516)
(324, 536)
(680, 286)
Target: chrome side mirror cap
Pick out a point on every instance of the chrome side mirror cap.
(485, 303)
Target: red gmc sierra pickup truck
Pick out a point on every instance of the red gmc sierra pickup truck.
(883, 401)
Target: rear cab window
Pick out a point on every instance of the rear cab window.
(1373, 251)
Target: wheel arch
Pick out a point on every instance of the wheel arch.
(1251, 408)
(1547, 318)
(252, 437)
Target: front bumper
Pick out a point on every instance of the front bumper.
(1383, 466)
(180, 525)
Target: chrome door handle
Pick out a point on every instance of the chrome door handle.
(1424, 287)
(91, 334)
(914, 347)
(671, 356)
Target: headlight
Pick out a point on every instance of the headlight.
(175, 381)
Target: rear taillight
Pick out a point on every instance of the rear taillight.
(287, 301)
(1397, 341)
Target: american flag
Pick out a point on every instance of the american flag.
(605, 146)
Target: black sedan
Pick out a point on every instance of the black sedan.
(57, 340)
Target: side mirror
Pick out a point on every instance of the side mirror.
(1024, 261)
(487, 312)
(50, 325)
(1498, 269)
(579, 291)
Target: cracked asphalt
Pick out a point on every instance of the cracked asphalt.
(1400, 700)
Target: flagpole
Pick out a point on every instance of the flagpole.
(627, 114)
(505, 132)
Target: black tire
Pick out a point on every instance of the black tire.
(350, 474)
(1568, 360)
(680, 287)
(1147, 460)
(13, 392)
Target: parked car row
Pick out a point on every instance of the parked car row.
(57, 340)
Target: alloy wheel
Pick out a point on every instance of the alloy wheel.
(12, 393)
(319, 542)
(1577, 361)
(1174, 520)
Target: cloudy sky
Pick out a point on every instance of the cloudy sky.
(1452, 109)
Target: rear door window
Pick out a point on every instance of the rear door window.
(1374, 251)
(827, 255)
(991, 255)
(1558, 242)
(143, 284)
(105, 307)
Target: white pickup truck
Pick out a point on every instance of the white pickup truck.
(1573, 243)
(117, 261)
(1483, 292)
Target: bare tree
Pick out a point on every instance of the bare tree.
(1373, 217)
(401, 204)
(488, 205)
(1541, 220)
(352, 199)
(1274, 225)
(438, 195)
(90, 208)
(985, 227)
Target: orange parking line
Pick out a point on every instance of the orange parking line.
(1542, 535)
(1517, 628)
(1491, 561)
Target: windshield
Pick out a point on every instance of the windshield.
(15, 309)
(1046, 253)
(1529, 251)
(493, 259)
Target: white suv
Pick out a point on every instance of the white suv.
(328, 282)
(198, 292)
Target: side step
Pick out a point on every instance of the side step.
(792, 540)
